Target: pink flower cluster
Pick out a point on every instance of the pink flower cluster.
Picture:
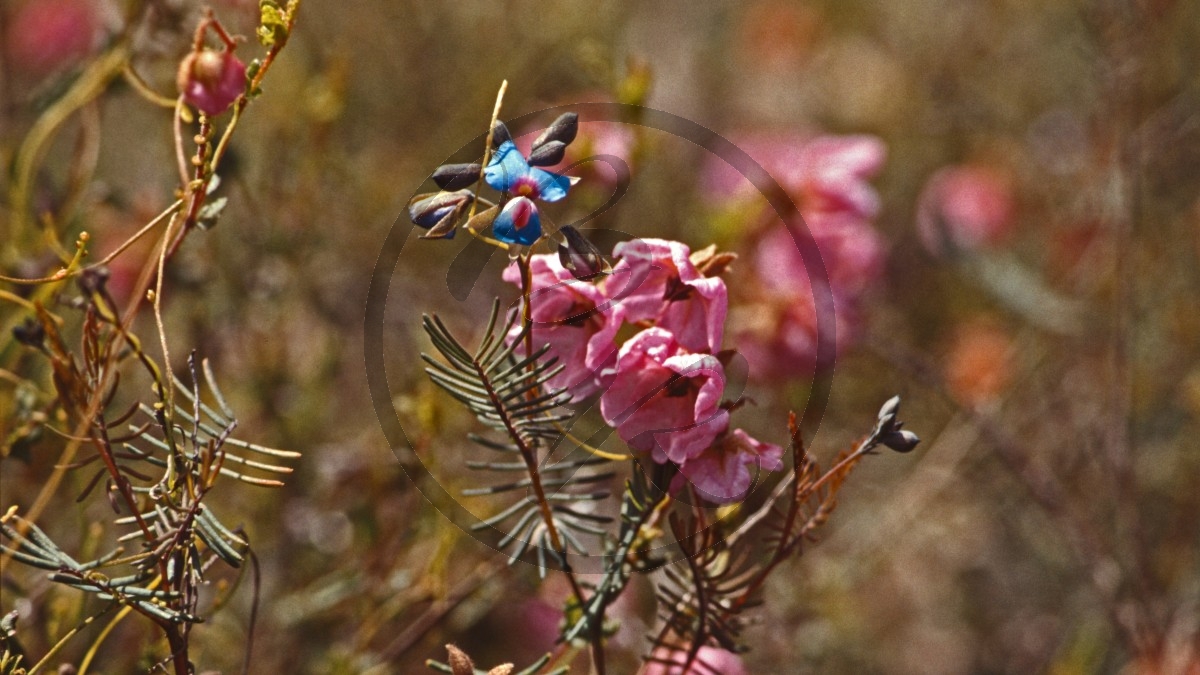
(43, 36)
(661, 388)
(964, 208)
(798, 318)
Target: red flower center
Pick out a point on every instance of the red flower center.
(526, 187)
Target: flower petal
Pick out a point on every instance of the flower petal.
(518, 222)
(551, 186)
(505, 167)
(649, 409)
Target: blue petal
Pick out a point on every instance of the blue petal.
(551, 186)
(505, 167)
(505, 229)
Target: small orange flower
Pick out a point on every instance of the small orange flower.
(979, 364)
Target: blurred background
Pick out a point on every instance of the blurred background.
(1007, 193)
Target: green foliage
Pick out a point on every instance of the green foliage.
(510, 395)
(273, 23)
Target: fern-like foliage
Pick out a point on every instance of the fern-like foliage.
(626, 555)
(167, 465)
(190, 459)
(510, 395)
(702, 599)
(36, 549)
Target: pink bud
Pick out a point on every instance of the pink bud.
(45, 35)
(210, 80)
(964, 208)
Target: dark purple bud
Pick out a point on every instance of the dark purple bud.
(500, 134)
(456, 176)
(562, 130)
(578, 255)
(548, 154)
(900, 440)
(30, 333)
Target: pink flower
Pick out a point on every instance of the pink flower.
(825, 174)
(654, 279)
(851, 251)
(964, 208)
(722, 474)
(782, 328)
(45, 35)
(711, 660)
(211, 80)
(574, 318)
(664, 399)
(785, 337)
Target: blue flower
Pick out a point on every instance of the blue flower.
(508, 171)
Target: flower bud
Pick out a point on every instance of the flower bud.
(562, 130)
(500, 134)
(211, 81)
(578, 255)
(456, 176)
(439, 212)
(887, 414)
(548, 154)
(30, 333)
(93, 280)
(460, 663)
(900, 440)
